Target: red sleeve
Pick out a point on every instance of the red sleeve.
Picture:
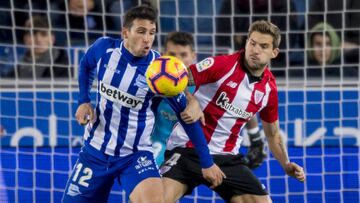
(210, 69)
(270, 113)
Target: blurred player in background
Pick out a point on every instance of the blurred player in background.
(117, 138)
(181, 45)
(231, 89)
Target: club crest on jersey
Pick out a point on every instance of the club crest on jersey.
(223, 102)
(204, 64)
(258, 96)
(141, 82)
(123, 98)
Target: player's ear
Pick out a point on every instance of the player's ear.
(275, 52)
(124, 32)
(193, 56)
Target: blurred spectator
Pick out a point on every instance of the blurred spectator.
(334, 13)
(244, 12)
(324, 55)
(83, 19)
(41, 60)
(115, 8)
(235, 17)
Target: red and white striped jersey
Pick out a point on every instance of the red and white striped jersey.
(229, 97)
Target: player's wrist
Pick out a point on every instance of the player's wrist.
(83, 101)
(206, 163)
(255, 137)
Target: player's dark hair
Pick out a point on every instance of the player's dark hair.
(180, 38)
(144, 12)
(266, 27)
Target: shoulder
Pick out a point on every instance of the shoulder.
(271, 78)
(228, 59)
(220, 61)
(106, 42)
(155, 53)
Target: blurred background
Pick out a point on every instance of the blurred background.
(317, 71)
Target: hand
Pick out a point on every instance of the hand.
(296, 171)
(84, 113)
(213, 175)
(192, 112)
(256, 153)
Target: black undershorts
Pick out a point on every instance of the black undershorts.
(182, 165)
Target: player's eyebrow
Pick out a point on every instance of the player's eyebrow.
(261, 44)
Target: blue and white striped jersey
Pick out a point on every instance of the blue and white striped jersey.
(125, 105)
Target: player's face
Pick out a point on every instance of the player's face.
(184, 53)
(259, 52)
(140, 37)
(322, 48)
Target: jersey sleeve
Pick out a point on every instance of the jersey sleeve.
(270, 113)
(193, 130)
(87, 69)
(210, 69)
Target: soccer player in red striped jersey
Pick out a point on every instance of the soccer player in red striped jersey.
(231, 89)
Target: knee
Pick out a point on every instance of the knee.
(247, 198)
(158, 198)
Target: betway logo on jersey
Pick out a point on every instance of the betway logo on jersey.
(115, 95)
(223, 102)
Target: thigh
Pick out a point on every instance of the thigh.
(182, 165)
(149, 190)
(173, 189)
(90, 181)
(239, 180)
(141, 166)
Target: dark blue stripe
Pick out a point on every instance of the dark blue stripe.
(115, 82)
(100, 75)
(124, 112)
(95, 125)
(142, 112)
(141, 120)
(125, 116)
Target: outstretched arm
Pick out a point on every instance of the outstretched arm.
(279, 151)
(211, 172)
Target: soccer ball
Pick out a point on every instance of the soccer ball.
(167, 76)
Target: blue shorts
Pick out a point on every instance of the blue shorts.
(94, 174)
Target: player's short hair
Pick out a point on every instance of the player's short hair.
(180, 38)
(144, 12)
(266, 27)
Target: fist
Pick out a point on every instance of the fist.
(255, 155)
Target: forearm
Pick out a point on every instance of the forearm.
(85, 80)
(276, 143)
(278, 149)
(193, 130)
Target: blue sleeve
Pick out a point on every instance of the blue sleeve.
(87, 69)
(194, 131)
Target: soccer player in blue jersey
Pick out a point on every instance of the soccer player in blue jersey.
(181, 45)
(117, 136)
